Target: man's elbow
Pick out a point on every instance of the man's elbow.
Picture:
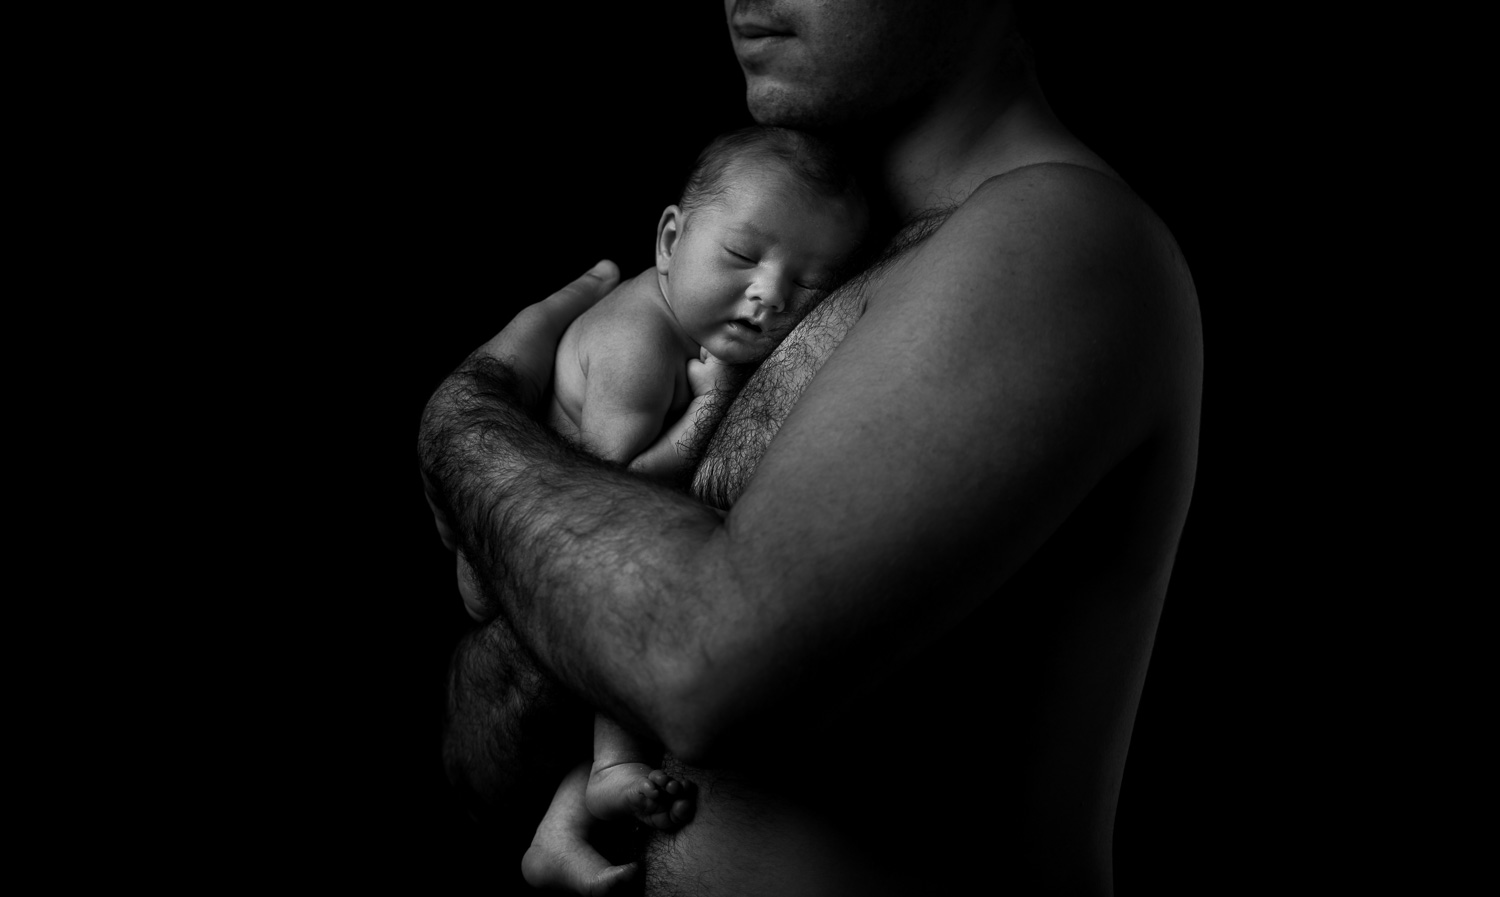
(705, 718)
(713, 670)
(691, 737)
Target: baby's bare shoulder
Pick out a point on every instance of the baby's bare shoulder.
(630, 327)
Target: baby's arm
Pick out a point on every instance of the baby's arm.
(627, 394)
(673, 454)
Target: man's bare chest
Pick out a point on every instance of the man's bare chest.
(766, 401)
(768, 398)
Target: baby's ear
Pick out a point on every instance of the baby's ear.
(668, 230)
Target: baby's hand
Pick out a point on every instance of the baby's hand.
(707, 374)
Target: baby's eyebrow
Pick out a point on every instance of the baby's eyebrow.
(751, 229)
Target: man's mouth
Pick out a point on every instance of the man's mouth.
(749, 30)
(751, 19)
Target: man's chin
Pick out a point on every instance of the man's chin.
(774, 103)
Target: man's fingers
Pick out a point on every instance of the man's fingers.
(468, 589)
(527, 345)
(444, 526)
(544, 322)
(577, 297)
(445, 531)
(529, 341)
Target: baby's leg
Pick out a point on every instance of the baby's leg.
(560, 855)
(625, 782)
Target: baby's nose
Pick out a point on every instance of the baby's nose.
(770, 291)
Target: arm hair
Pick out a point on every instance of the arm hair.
(541, 525)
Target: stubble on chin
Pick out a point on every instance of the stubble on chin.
(768, 105)
(780, 106)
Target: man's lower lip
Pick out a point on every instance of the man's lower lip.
(750, 27)
(749, 47)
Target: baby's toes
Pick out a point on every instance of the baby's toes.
(672, 812)
(680, 812)
(647, 798)
(665, 782)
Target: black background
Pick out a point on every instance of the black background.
(408, 182)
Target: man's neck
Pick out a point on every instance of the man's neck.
(985, 125)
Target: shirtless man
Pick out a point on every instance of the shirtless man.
(908, 659)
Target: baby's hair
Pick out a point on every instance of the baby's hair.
(812, 162)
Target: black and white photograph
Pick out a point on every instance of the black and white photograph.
(797, 447)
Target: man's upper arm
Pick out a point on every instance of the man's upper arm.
(998, 374)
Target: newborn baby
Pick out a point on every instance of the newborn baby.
(767, 219)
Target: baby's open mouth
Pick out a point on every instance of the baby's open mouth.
(747, 324)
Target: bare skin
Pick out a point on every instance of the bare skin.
(621, 373)
(734, 273)
(625, 783)
(957, 491)
(574, 871)
(1058, 650)
(623, 368)
(635, 375)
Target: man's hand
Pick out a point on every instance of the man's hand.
(445, 529)
(468, 589)
(528, 343)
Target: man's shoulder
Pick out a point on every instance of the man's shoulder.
(1064, 253)
(1038, 197)
(1059, 220)
(1055, 178)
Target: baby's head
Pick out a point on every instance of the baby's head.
(766, 223)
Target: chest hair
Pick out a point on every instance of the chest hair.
(759, 409)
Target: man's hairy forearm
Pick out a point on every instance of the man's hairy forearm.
(589, 564)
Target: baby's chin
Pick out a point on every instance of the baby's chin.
(733, 351)
(739, 354)
(739, 343)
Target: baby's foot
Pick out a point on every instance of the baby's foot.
(571, 864)
(663, 802)
(561, 856)
(635, 789)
